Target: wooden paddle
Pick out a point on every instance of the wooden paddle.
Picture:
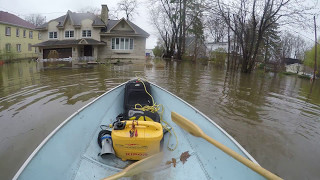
(196, 131)
(138, 167)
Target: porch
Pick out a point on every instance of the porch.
(69, 50)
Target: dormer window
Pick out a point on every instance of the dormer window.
(53, 35)
(69, 34)
(86, 33)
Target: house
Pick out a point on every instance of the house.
(16, 37)
(294, 65)
(212, 46)
(149, 53)
(195, 47)
(85, 36)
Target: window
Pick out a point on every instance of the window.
(53, 35)
(18, 47)
(122, 43)
(29, 47)
(39, 35)
(131, 43)
(24, 33)
(30, 34)
(126, 43)
(86, 33)
(8, 47)
(69, 34)
(17, 32)
(8, 31)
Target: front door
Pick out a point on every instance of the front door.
(87, 50)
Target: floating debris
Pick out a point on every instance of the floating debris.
(184, 156)
(174, 162)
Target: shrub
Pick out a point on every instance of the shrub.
(218, 56)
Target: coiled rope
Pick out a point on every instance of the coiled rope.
(155, 108)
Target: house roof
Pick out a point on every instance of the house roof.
(69, 42)
(288, 61)
(76, 19)
(12, 19)
(112, 23)
(189, 40)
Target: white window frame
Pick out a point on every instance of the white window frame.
(8, 47)
(24, 33)
(69, 33)
(86, 32)
(53, 35)
(39, 35)
(8, 31)
(124, 46)
(18, 32)
(18, 47)
(30, 34)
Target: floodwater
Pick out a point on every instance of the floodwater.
(276, 118)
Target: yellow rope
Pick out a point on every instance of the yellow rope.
(155, 108)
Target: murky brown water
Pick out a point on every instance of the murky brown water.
(275, 118)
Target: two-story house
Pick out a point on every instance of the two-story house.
(16, 37)
(87, 36)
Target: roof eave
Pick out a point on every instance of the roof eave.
(122, 19)
(99, 26)
(116, 34)
(16, 25)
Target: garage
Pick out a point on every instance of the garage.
(57, 53)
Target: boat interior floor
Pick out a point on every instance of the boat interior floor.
(93, 166)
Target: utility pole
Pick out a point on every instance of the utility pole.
(183, 48)
(315, 44)
(228, 61)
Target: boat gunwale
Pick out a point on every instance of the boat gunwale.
(24, 165)
(44, 141)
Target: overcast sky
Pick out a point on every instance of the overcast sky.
(53, 9)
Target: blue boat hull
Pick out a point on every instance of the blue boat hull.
(71, 150)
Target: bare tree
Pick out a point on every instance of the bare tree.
(216, 27)
(174, 20)
(250, 21)
(129, 7)
(36, 19)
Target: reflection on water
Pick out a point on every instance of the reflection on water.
(275, 117)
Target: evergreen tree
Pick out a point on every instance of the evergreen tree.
(270, 47)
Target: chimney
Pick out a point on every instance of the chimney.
(104, 13)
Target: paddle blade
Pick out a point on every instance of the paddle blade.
(139, 166)
(186, 124)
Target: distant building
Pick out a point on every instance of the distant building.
(193, 47)
(149, 53)
(17, 37)
(85, 36)
(212, 46)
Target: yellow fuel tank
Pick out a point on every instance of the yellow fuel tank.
(143, 140)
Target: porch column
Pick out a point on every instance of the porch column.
(95, 52)
(75, 53)
(40, 53)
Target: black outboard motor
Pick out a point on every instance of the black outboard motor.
(135, 93)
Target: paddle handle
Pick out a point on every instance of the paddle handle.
(267, 174)
(115, 176)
